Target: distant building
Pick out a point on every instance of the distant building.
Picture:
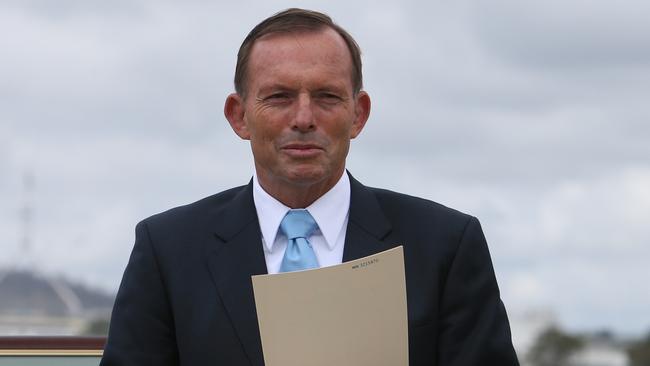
(37, 304)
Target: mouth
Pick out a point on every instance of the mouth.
(302, 150)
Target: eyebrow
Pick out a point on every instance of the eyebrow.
(273, 87)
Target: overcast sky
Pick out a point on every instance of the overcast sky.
(533, 116)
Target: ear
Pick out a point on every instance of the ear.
(234, 111)
(362, 112)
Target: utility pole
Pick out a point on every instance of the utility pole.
(26, 215)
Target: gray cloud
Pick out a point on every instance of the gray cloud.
(576, 36)
(531, 116)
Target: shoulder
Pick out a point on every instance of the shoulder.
(199, 213)
(400, 206)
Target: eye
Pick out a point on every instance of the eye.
(329, 98)
(275, 97)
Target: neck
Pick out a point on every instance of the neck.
(297, 194)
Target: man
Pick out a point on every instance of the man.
(186, 296)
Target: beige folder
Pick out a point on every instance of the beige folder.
(349, 314)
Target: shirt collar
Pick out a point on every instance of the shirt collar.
(329, 211)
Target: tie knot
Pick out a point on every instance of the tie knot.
(298, 224)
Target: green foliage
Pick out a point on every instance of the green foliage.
(554, 348)
(639, 352)
(97, 327)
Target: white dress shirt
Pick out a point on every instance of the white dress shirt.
(330, 212)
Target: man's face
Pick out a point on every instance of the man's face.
(300, 111)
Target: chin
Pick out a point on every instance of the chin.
(307, 176)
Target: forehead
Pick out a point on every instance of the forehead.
(299, 54)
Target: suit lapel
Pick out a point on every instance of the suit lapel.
(368, 227)
(235, 256)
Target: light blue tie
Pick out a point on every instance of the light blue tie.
(298, 225)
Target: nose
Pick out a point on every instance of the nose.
(304, 118)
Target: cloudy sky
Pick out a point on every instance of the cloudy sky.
(533, 116)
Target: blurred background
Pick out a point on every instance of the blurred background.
(533, 116)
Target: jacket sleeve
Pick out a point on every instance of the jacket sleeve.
(142, 326)
(474, 327)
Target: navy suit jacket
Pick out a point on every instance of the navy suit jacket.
(186, 297)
